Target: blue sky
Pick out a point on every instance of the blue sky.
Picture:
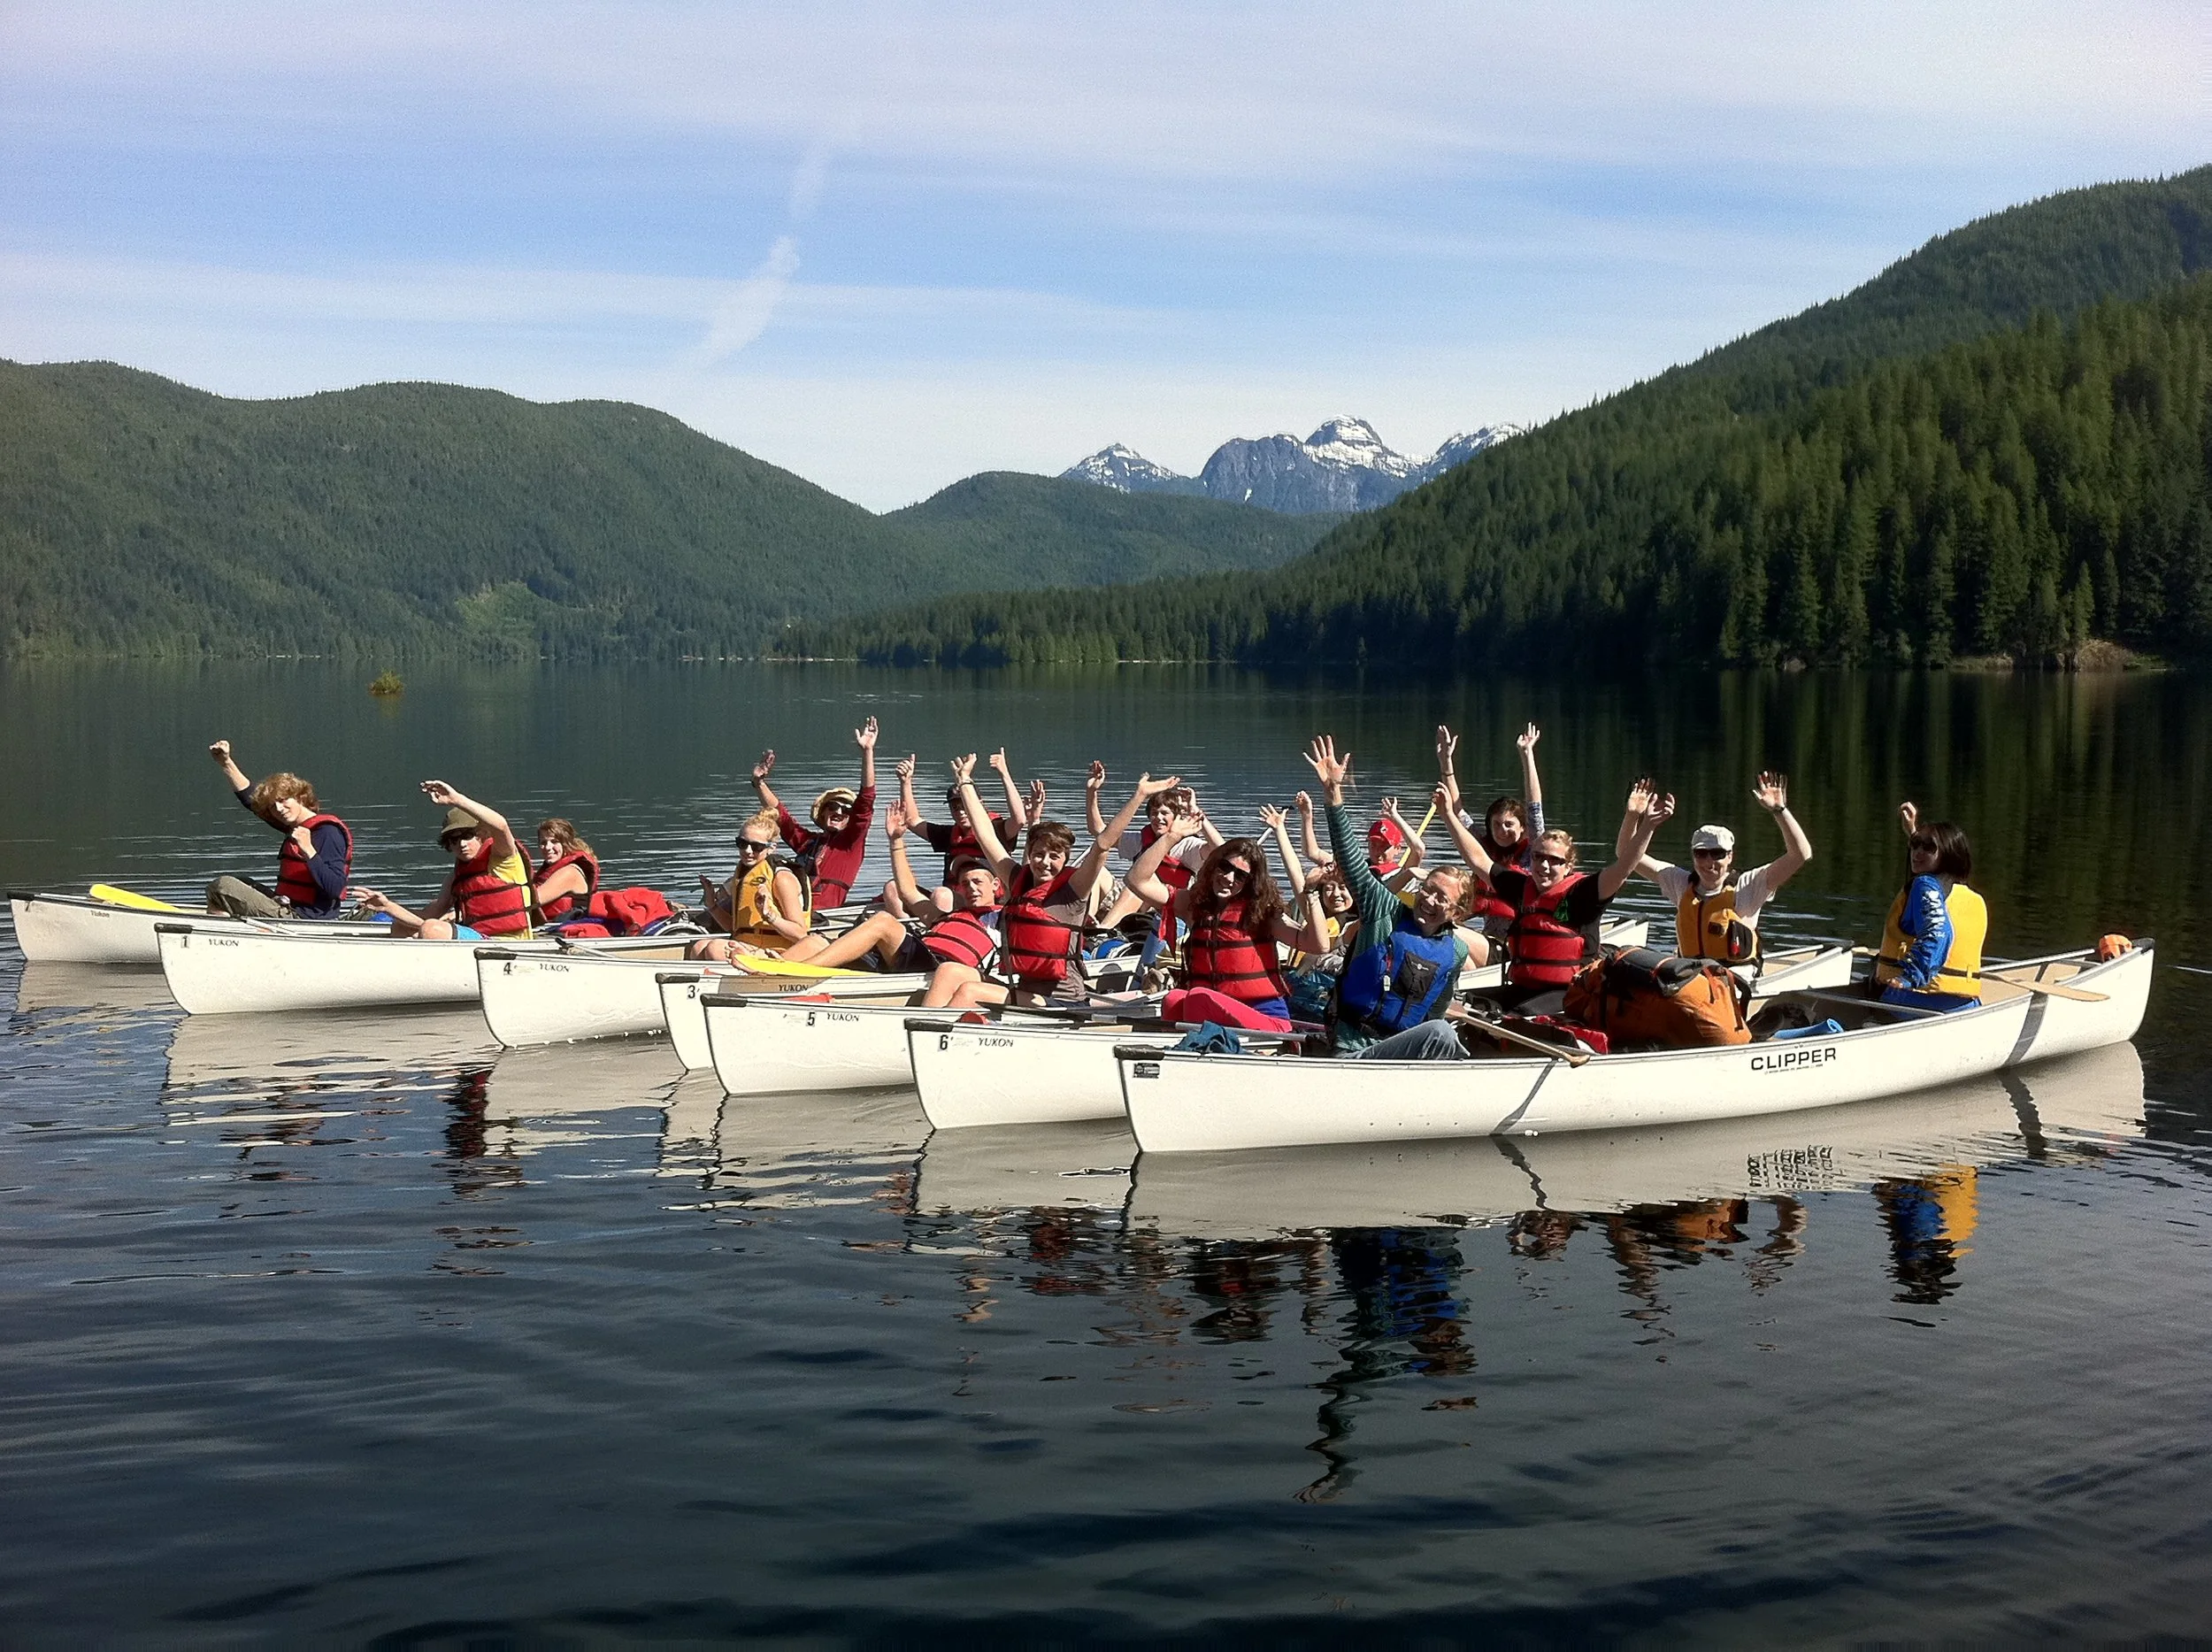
(888, 246)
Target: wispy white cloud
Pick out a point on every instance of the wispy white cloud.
(743, 313)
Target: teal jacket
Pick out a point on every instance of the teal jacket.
(1380, 911)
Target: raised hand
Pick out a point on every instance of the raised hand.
(964, 770)
(1446, 743)
(1322, 758)
(1444, 799)
(439, 792)
(1528, 737)
(1147, 786)
(766, 765)
(1909, 814)
(1772, 792)
(1640, 796)
(894, 823)
(904, 767)
(1305, 800)
(1096, 780)
(1390, 810)
(998, 760)
(1273, 818)
(1662, 809)
(1189, 823)
(865, 736)
(1036, 806)
(220, 751)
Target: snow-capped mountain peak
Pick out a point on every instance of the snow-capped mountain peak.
(1344, 465)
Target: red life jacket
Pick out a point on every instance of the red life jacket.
(1546, 951)
(561, 906)
(1221, 953)
(961, 937)
(490, 905)
(295, 882)
(1034, 947)
(1492, 911)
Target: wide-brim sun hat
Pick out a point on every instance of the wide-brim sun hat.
(836, 794)
(459, 823)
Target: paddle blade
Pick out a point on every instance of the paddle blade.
(114, 896)
(767, 966)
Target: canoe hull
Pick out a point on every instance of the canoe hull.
(684, 1019)
(77, 929)
(1184, 1103)
(972, 1076)
(765, 1046)
(213, 970)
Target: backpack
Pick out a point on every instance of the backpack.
(1636, 995)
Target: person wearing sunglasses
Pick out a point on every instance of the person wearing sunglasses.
(1557, 907)
(762, 907)
(1931, 941)
(1237, 926)
(1716, 907)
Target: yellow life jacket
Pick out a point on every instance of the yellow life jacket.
(1961, 973)
(1707, 927)
(747, 923)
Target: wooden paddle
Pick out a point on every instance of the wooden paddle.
(1508, 1035)
(131, 898)
(2049, 990)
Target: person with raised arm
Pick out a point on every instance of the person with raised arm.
(1509, 824)
(1180, 864)
(958, 840)
(313, 861)
(1933, 939)
(762, 907)
(829, 855)
(1401, 969)
(1046, 898)
(1231, 962)
(1716, 908)
(1557, 908)
(488, 894)
(954, 947)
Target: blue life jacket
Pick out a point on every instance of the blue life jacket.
(1404, 982)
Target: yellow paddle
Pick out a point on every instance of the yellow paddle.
(114, 896)
(767, 965)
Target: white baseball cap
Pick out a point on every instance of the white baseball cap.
(1717, 837)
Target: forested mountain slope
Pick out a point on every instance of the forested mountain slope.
(138, 516)
(1807, 492)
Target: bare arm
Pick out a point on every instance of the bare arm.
(1094, 861)
(980, 820)
(1650, 811)
(220, 752)
(1531, 788)
(1772, 794)
(865, 737)
(761, 772)
(911, 893)
(1278, 823)
(907, 806)
(1309, 936)
(504, 842)
(1144, 880)
(1313, 853)
(1470, 845)
(1093, 785)
(1017, 816)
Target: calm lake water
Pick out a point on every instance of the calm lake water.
(355, 1331)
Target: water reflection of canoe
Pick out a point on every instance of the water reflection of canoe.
(537, 1099)
(537, 998)
(1026, 1167)
(1985, 1121)
(793, 1151)
(1181, 1103)
(969, 1075)
(227, 972)
(282, 1053)
(77, 929)
(97, 989)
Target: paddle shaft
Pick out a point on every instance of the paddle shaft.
(2049, 990)
(1507, 1035)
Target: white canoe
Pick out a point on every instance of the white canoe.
(77, 929)
(971, 1074)
(2075, 1107)
(765, 1045)
(684, 1019)
(1190, 1104)
(974, 1075)
(216, 969)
